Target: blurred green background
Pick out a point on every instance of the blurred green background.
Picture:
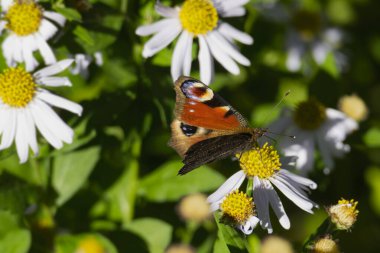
(117, 183)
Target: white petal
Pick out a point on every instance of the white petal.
(235, 12)
(161, 39)
(223, 58)
(277, 206)
(215, 206)
(156, 27)
(229, 48)
(230, 4)
(302, 147)
(27, 53)
(45, 50)
(248, 227)
(2, 26)
(229, 31)
(188, 57)
(325, 151)
(43, 128)
(232, 183)
(301, 180)
(5, 4)
(299, 201)
(17, 49)
(56, 17)
(9, 129)
(206, 62)
(262, 204)
(176, 68)
(54, 69)
(31, 131)
(98, 58)
(320, 51)
(8, 49)
(165, 11)
(21, 139)
(56, 125)
(54, 81)
(60, 102)
(293, 61)
(47, 29)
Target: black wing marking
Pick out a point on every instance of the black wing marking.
(213, 149)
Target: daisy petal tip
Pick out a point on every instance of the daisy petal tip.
(285, 222)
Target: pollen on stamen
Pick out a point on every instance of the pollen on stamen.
(310, 114)
(262, 162)
(198, 16)
(344, 214)
(17, 87)
(238, 207)
(24, 18)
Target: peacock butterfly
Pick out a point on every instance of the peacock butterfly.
(206, 128)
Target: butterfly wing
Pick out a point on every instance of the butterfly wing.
(201, 114)
(198, 105)
(215, 148)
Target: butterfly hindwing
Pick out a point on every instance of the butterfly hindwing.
(215, 148)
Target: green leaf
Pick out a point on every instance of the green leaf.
(372, 177)
(230, 236)
(69, 13)
(84, 37)
(330, 65)
(16, 241)
(372, 137)
(163, 184)
(156, 233)
(118, 202)
(13, 238)
(220, 246)
(71, 170)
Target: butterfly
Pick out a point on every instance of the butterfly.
(205, 127)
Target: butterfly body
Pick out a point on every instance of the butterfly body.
(206, 128)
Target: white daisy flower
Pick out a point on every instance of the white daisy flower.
(263, 167)
(313, 125)
(25, 105)
(307, 34)
(198, 19)
(237, 210)
(83, 61)
(28, 28)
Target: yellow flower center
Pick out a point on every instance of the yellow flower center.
(354, 107)
(310, 114)
(326, 245)
(344, 214)
(261, 162)
(307, 23)
(17, 87)
(24, 17)
(237, 206)
(198, 16)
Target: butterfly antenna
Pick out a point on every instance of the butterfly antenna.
(277, 105)
(285, 135)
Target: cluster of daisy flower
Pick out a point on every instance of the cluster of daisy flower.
(25, 103)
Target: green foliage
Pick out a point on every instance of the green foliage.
(164, 185)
